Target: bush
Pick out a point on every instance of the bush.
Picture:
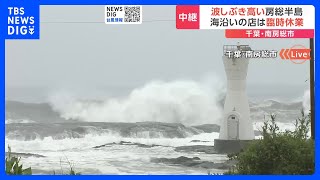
(290, 152)
(13, 166)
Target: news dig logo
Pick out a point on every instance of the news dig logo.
(23, 19)
(19, 24)
(128, 14)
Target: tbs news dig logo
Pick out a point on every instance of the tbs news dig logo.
(23, 19)
(19, 24)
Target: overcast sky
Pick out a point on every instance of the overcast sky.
(92, 56)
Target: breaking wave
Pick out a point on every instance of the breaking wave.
(90, 140)
(186, 102)
(57, 131)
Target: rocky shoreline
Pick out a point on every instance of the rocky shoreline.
(195, 162)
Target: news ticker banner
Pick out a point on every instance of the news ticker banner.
(250, 21)
(238, 21)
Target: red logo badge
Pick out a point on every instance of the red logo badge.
(187, 17)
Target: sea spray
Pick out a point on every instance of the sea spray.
(187, 102)
(90, 140)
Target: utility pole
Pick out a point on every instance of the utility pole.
(312, 97)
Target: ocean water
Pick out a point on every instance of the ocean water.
(125, 135)
(129, 147)
(113, 159)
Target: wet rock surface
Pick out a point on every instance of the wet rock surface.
(194, 162)
(16, 154)
(128, 144)
(196, 148)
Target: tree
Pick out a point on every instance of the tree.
(289, 152)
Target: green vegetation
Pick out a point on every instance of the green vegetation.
(13, 166)
(71, 170)
(289, 152)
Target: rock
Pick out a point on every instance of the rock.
(129, 144)
(71, 129)
(196, 148)
(157, 129)
(104, 145)
(208, 128)
(199, 141)
(16, 154)
(182, 160)
(194, 162)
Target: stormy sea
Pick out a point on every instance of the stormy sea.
(168, 131)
